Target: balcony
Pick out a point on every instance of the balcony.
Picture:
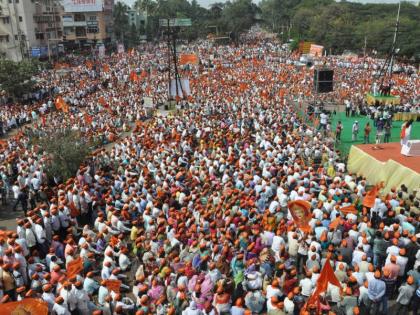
(74, 23)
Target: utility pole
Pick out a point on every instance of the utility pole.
(397, 24)
(364, 48)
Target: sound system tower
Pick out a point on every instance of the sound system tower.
(323, 80)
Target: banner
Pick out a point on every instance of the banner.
(191, 59)
(101, 51)
(316, 50)
(74, 267)
(300, 211)
(148, 102)
(183, 88)
(27, 306)
(120, 48)
(113, 285)
(82, 5)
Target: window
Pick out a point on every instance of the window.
(16, 1)
(6, 20)
(79, 17)
(92, 29)
(39, 36)
(23, 37)
(20, 19)
(92, 18)
(16, 37)
(4, 38)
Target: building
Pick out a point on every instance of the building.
(138, 19)
(87, 23)
(29, 28)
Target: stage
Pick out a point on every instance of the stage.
(384, 100)
(386, 164)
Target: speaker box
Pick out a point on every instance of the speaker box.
(323, 80)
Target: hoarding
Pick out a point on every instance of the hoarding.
(82, 5)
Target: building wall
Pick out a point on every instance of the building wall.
(25, 24)
(89, 27)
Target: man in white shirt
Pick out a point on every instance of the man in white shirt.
(306, 285)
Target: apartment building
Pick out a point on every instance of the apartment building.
(29, 28)
(87, 22)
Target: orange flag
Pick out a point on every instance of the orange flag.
(88, 119)
(102, 101)
(188, 59)
(369, 199)
(326, 276)
(349, 209)
(143, 74)
(133, 76)
(89, 64)
(74, 267)
(113, 285)
(300, 211)
(106, 68)
(59, 103)
(65, 107)
(29, 306)
(334, 223)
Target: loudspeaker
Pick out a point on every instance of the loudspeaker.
(323, 80)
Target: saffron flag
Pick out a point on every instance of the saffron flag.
(133, 76)
(59, 103)
(88, 119)
(300, 211)
(188, 59)
(369, 199)
(349, 209)
(74, 267)
(106, 68)
(102, 101)
(113, 285)
(326, 276)
(29, 306)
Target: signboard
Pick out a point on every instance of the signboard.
(101, 51)
(35, 52)
(82, 5)
(148, 102)
(174, 22)
(120, 48)
(183, 88)
(316, 50)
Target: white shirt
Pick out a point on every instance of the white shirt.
(307, 286)
(60, 309)
(124, 262)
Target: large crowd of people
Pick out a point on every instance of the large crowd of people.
(189, 213)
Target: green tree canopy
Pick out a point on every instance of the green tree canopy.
(16, 78)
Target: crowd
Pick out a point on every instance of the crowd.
(189, 214)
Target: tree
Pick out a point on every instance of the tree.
(121, 23)
(16, 78)
(66, 150)
(238, 16)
